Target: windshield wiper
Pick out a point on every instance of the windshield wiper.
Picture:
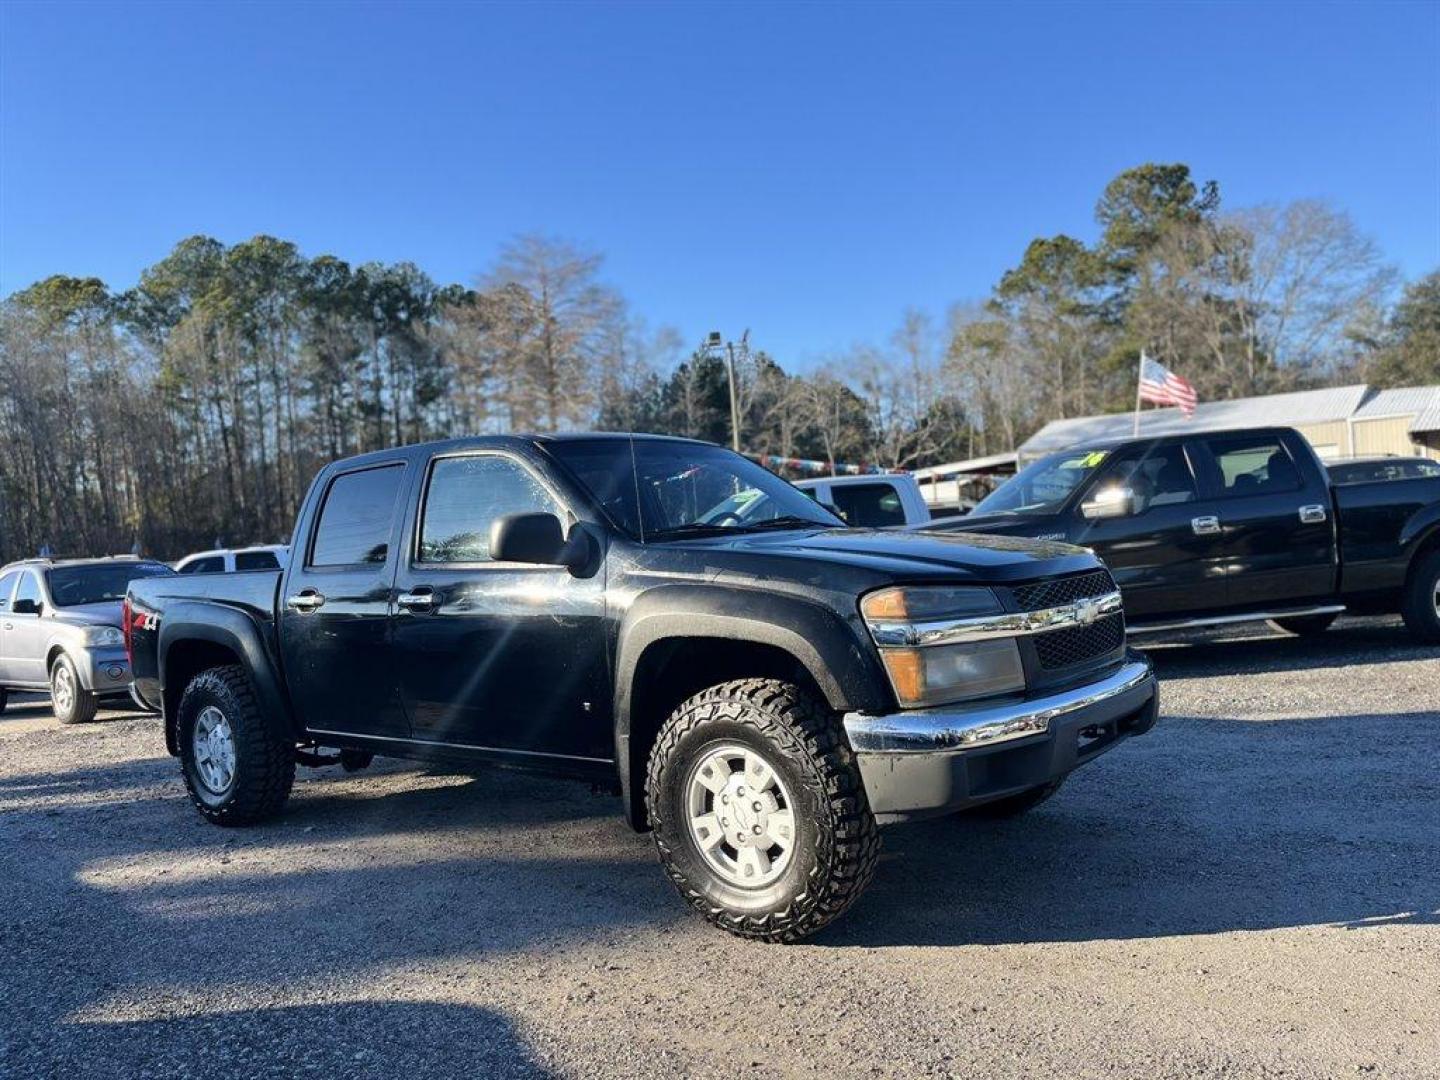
(690, 528)
(791, 521)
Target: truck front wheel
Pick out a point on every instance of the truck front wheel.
(1421, 606)
(758, 810)
(236, 769)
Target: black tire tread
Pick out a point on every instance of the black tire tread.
(799, 725)
(266, 775)
(1417, 606)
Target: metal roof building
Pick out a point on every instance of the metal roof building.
(1341, 421)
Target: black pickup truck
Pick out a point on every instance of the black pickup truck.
(1231, 526)
(761, 690)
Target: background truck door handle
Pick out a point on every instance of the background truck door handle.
(417, 601)
(1312, 515)
(1205, 526)
(308, 600)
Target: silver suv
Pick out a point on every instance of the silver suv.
(61, 630)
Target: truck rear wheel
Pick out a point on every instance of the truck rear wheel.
(1421, 605)
(1304, 625)
(758, 810)
(236, 769)
(71, 702)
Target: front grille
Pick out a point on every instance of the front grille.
(1077, 644)
(1065, 590)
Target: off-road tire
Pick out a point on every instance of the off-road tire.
(1419, 603)
(1015, 805)
(1305, 625)
(837, 841)
(83, 703)
(264, 762)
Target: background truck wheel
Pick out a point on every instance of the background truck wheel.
(759, 813)
(1014, 805)
(355, 760)
(1304, 625)
(236, 769)
(71, 702)
(1421, 605)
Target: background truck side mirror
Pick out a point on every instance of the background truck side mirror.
(1110, 502)
(536, 538)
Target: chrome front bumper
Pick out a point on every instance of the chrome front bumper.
(923, 762)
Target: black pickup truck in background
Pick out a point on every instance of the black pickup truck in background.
(1231, 526)
(762, 688)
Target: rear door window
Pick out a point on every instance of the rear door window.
(211, 564)
(256, 560)
(356, 518)
(1254, 465)
(7, 586)
(868, 506)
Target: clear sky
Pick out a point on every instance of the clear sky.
(806, 171)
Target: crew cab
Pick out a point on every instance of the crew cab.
(762, 691)
(1231, 526)
(60, 630)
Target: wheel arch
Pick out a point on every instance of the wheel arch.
(677, 640)
(213, 636)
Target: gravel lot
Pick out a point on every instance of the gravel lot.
(1252, 890)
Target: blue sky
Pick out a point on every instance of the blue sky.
(806, 171)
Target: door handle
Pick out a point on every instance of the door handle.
(1312, 515)
(418, 601)
(1205, 526)
(308, 600)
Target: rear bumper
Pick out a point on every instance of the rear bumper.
(920, 763)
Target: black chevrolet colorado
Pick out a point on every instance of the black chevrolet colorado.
(1231, 526)
(761, 688)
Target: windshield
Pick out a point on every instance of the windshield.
(1043, 486)
(669, 489)
(71, 586)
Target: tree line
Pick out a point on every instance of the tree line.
(196, 406)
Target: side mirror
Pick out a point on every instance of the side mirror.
(25, 606)
(536, 538)
(1111, 502)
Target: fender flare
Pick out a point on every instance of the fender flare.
(832, 651)
(235, 631)
(1420, 527)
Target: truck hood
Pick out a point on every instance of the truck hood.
(106, 614)
(917, 555)
(1040, 526)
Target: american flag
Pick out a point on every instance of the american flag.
(1161, 386)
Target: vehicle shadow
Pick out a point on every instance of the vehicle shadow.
(1258, 648)
(349, 1039)
(1236, 837)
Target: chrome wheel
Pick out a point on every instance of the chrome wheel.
(62, 688)
(214, 747)
(741, 815)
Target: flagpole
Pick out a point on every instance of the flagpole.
(1139, 370)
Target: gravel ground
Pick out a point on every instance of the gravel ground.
(1251, 890)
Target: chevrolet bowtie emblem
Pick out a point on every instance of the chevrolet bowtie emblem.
(1087, 611)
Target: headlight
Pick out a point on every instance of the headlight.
(104, 635)
(943, 673)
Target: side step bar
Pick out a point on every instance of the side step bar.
(1134, 630)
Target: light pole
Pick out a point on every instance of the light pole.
(727, 352)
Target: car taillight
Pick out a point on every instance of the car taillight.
(126, 616)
